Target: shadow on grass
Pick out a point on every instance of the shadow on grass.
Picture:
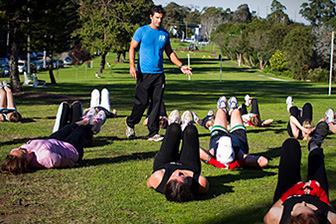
(133, 156)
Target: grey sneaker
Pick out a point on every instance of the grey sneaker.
(222, 103)
(186, 118)
(210, 113)
(174, 117)
(156, 138)
(289, 102)
(329, 116)
(130, 133)
(100, 119)
(247, 99)
(233, 104)
(90, 116)
(196, 118)
(320, 133)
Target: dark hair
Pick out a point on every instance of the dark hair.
(178, 191)
(163, 123)
(14, 165)
(15, 117)
(304, 218)
(256, 121)
(158, 9)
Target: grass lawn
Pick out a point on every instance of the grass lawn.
(109, 186)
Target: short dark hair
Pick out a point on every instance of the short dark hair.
(163, 123)
(14, 165)
(307, 219)
(158, 9)
(256, 121)
(178, 191)
(15, 117)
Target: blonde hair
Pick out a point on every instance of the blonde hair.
(308, 124)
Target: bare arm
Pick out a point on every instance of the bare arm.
(294, 121)
(131, 56)
(173, 58)
(155, 179)
(66, 163)
(204, 185)
(275, 213)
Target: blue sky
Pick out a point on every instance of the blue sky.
(262, 7)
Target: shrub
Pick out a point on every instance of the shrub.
(278, 61)
(318, 75)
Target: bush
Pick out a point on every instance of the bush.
(318, 75)
(278, 61)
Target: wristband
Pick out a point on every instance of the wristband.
(180, 66)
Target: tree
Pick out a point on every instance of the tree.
(211, 18)
(109, 24)
(298, 45)
(318, 12)
(277, 13)
(242, 14)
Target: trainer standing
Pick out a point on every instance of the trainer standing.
(153, 40)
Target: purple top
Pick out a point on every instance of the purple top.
(49, 152)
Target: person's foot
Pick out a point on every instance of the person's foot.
(156, 138)
(1, 86)
(186, 118)
(99, 120)
(114, 113)
(247, 99)
(329, 116)
(222, 103)
(196, 118)
(210, 113)
(130, 133)
(5, 83)
(174, 117)
(90, 116)
(320, 133)
(233, 104)
(289, 102)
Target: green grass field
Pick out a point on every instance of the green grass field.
(109, 186)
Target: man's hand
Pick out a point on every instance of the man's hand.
(133, 72)
(186, 70)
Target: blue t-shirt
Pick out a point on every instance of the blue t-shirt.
(152, 44)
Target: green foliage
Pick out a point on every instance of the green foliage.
(318, 11)
(318, 75)
(298, 45)
(278, 61)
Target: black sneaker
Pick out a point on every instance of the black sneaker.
(320, 133)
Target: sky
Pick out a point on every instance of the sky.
(262, 7)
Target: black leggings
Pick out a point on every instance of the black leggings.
(307, 114)
(169, 151)
(75, 135)
(289, 167)
(254, 108)
(70, 113)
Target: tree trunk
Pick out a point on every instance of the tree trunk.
(13, 62)
(117, 60)
(102, 63)
(51, 73)
(123, 58)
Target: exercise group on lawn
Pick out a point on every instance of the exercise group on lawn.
(177, 172)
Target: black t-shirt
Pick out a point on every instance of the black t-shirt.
(322, 207)
(169, 170)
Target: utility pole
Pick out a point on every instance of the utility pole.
(28, 42)
(331, 60)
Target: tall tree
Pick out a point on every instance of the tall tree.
(109, 24)
(242, 14)
(211, 18)
(277, 13)
(318, 12)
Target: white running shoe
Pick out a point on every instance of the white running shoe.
(174, 117)
(187, 118)
(130, 133)
(99, 120)
(247, 99)
(222, 103)
(156, 138)
(233, 104)
(289, 102)
(329, 116)
(210, 113)
(196, 118)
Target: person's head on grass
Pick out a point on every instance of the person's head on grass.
(255, 120)
(303, 214)
(17, 161)
(14, 117)
(178, 189)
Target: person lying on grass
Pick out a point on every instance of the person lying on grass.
(177, 174)
(8, 111)
(296, 201)
(61, 149)
(229, 148)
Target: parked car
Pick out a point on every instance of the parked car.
(4, 60)
(67, 61)
(39, 65)
(58, 63)
(4, 69)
